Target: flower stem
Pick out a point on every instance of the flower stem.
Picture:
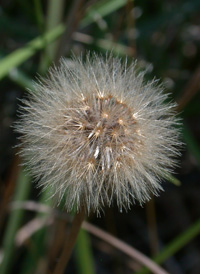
(70, 242)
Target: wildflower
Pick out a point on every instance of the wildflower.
(94, 132)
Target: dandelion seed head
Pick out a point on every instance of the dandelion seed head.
(94, 132)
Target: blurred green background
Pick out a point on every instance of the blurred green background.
(164, 36)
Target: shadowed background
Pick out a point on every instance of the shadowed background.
(164, 36)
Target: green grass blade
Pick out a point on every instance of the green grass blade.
(84, 256)
(55, 14)
(172, 179)
(20, 55)
(39, 14)
(21, 79)
(191, 142)
(179, 242)
(14, 221)
(53, 19)
(101, 9)
(39, 244)
(30, 262)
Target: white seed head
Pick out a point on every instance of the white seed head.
(94, 132)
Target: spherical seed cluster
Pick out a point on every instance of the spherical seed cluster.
(93, 132)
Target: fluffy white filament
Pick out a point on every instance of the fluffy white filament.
(94, 132)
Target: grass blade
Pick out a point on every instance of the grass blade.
(101, 9)
(84, 256)
(191, 142)
(175, 245)
(21, 55)
(15, 218)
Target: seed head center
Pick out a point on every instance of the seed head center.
(103, 130)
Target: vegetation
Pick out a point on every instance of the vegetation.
(164, 38)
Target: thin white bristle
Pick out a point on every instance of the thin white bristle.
(96, 132)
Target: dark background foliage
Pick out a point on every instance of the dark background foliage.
(164, 36)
